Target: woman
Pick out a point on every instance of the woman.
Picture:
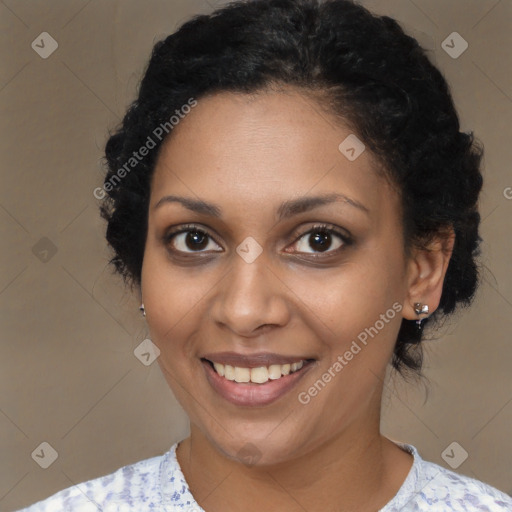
(293, 199)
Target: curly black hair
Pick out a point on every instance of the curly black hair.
(367, 72)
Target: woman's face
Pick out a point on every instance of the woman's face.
(265, 286)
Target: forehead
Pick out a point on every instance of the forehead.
(265, 148)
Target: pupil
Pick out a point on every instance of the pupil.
(196, 240)
(322, 239)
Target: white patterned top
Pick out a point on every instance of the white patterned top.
(158, 485)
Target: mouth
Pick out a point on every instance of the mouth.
(257, 375)
(249, 382)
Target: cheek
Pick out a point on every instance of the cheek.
(353, 297)
(355, 312)
(173, 302)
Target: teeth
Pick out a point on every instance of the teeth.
(242, 374)
(219, 368)
(274, 371)
(258, 375)
(229, 372)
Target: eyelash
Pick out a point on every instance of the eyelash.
(317, 228)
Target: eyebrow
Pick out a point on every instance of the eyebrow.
(285, 210)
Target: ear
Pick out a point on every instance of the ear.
(426, 271)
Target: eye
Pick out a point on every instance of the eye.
(189, 239)
(317, 240)
(322, 239)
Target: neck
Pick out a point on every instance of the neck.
(359, 469)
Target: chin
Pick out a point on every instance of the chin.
(259, 450)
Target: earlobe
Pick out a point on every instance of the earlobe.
(426, 272)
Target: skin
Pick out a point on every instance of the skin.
(248, 154)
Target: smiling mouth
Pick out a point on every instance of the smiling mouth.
(259, 375)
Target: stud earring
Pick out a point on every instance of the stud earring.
(420, 309)
(141, 308)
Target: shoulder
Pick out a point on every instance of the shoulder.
(434, 488)
(133, 485)
(463, 493)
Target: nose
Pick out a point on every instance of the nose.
(251, 298)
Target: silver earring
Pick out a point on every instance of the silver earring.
(420, 309)
(141, 308)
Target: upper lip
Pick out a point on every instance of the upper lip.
(251, 360)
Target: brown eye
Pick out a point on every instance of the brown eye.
(189, 240)
(321, 239)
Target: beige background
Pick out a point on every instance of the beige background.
(68, 374)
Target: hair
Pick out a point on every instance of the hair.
(366, 72)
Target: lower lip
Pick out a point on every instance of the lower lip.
(251, 394)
